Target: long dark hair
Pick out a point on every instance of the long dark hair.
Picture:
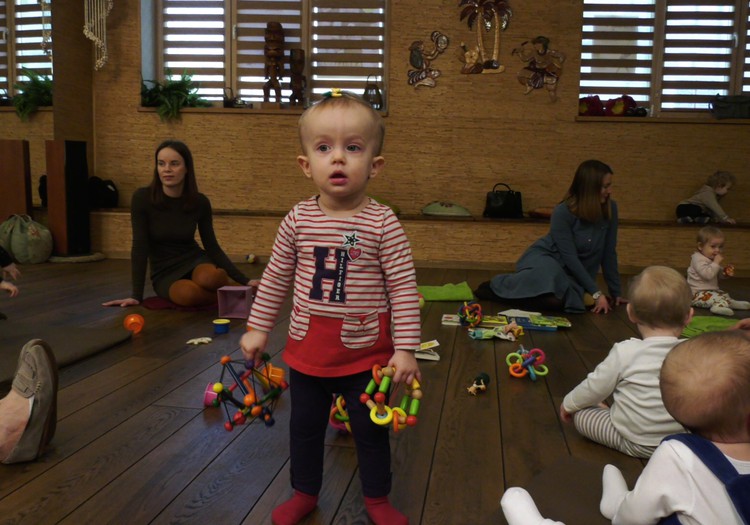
(190, 186)
(583, 196)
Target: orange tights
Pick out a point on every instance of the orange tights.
(201, 288)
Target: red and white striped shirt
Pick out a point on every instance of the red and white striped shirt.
(353, 278)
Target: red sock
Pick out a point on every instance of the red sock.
(381, 512)
(294, 509)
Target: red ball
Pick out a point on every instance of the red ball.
(379, 397)
(411, 421)
(364, 398)
(239, 418)
(228, 426)
(134, 323)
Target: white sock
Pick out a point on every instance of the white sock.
(519, 509)
(721, 310)
(739, 305)
(614, 488)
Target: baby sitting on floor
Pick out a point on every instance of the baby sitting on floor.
(697, 478)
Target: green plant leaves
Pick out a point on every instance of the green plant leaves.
(33, 94)
(171, 95)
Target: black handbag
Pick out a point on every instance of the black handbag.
(503, 204)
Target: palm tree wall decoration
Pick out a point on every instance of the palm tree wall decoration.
(487, 14)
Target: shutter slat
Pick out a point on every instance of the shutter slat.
(347, 41)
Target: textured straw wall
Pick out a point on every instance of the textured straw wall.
(451, 142)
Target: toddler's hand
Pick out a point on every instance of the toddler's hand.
(566, 416)
(729, 270)
(406, 367)
(252, 344)
(729, 220)
(11, 288)
(718, 259)
(11, 272)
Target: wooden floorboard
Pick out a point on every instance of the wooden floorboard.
(134, 443)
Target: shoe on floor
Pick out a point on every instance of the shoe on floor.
(36, 375)
(702, 220)
(685, 220)
(721, 310)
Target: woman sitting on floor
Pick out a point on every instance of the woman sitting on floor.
(165, 216)
(556, 271)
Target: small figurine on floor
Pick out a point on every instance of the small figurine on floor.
(480, 384)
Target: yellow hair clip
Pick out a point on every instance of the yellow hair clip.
(335, 92)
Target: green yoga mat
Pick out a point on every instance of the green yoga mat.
(69, 343)
(707, 323)
(447, 292)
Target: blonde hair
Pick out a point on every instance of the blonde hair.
(345, 99)
(720, 179)
(660, 298)
(705, 384)
(707, 233)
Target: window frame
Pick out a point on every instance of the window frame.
(13, 13)
(301, 36)
(666, 71)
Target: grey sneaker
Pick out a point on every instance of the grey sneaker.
(702, 220)
(36, 375)
(685, 220)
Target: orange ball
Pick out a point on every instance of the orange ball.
(134, 323)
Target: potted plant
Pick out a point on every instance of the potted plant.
(36, 92)
(171, 95)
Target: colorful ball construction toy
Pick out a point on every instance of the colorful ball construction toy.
(260, 389)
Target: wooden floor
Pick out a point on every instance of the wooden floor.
(135, 445)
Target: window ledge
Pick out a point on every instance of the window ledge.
(236, 111)
(285, 109)
(665, 120)
(12, 109)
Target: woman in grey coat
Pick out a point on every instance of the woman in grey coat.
(562, 266)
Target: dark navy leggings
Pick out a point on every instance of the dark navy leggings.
(311, 405)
